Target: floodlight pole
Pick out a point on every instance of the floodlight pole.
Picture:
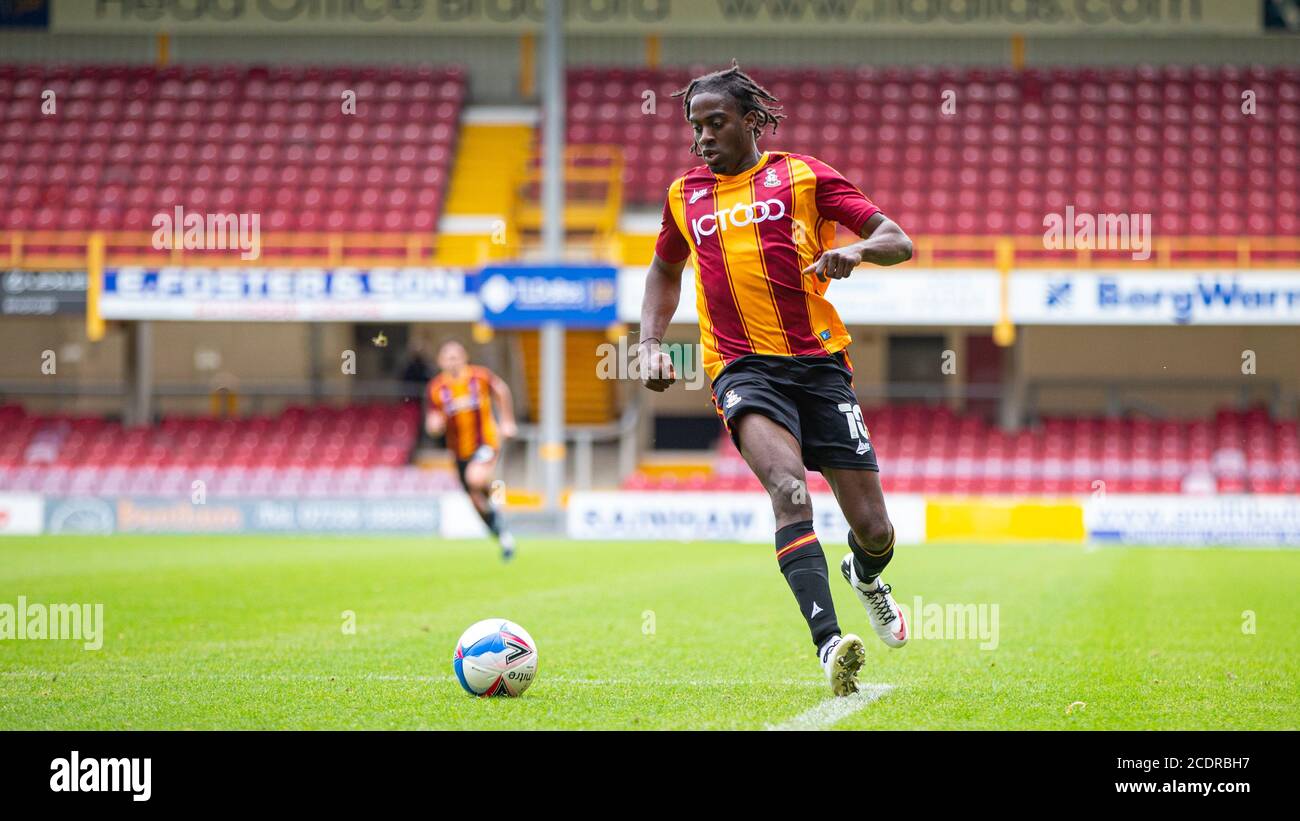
(552, 333)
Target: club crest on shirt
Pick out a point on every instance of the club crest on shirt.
(770, 179)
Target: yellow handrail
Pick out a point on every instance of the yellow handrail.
(68, 249)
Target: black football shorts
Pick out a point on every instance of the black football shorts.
(810, 396)
(484, 453)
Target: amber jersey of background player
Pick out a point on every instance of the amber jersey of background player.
(466, 400)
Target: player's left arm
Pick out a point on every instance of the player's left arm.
(506, 404)
(882, 243)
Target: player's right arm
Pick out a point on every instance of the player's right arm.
(663, 290)
(435, 421)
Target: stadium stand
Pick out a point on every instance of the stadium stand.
(1017, 143)
(930, 449)
(364, 449)
(320, 451)
(131, 141)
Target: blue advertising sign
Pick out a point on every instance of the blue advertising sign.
(525, 296)
(25, 13)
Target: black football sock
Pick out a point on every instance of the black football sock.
(870, 565)
(489, 518)
(802, 562)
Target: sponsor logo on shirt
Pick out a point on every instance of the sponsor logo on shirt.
(738, 216)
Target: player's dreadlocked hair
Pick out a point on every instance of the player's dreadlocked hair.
(749, 95)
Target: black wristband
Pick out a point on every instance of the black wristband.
(651, 339)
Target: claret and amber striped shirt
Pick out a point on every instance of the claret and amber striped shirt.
(466, 400)
(749, 237)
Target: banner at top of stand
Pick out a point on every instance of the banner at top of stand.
(972, 296)
(669, 17)
(288, 294)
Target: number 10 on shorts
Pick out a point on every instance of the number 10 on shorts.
(853, 415)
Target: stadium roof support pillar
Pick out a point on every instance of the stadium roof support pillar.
(140, 369)
(1011, 408)
(314, 348)
(552, 333)
(527, 64)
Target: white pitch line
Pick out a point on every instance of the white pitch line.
(1096, 547)
(834, 710)
(347, 677)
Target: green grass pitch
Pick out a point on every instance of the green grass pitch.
(247, 632)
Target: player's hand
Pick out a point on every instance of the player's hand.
(837, 263)
(656, 367)
(508, 429)
(435, 423)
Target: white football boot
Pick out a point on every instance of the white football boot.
(842, 657)
(886, 619)
(507, 541)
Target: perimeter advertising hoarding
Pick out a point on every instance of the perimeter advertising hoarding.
(289, 294)
(971, 296)
(21, 514)
(42, 293)
(1204, 521)
(96, 515)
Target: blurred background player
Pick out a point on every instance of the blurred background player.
(757, 227)
(460, 405)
